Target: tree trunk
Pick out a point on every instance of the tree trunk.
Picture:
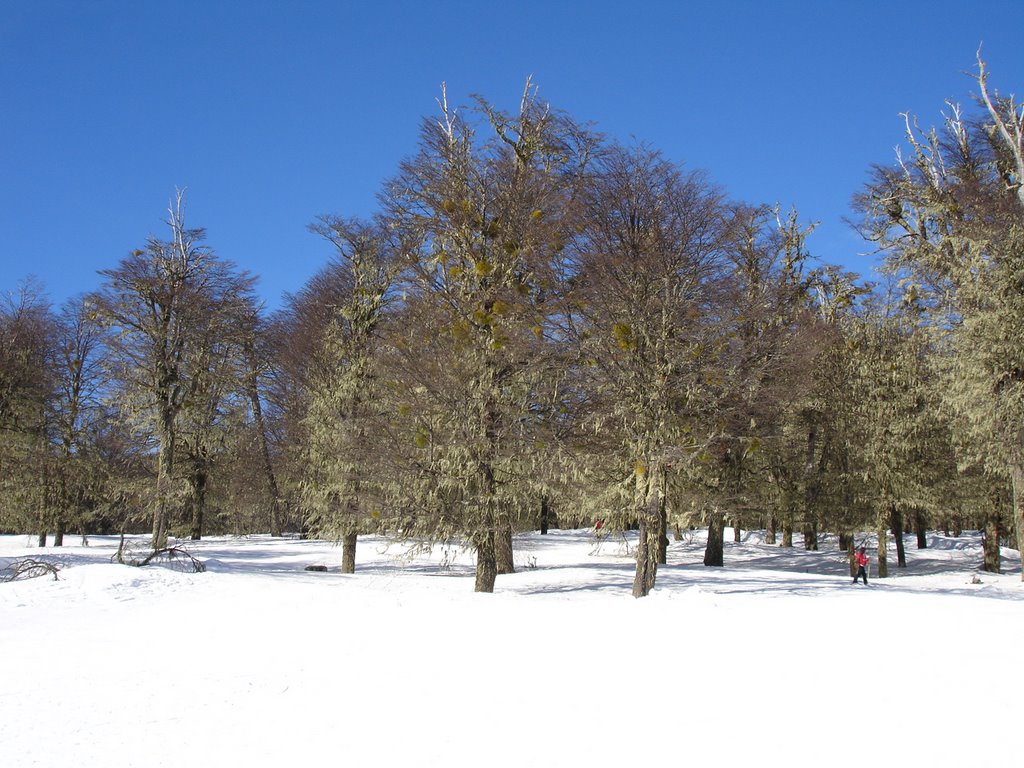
(714, 552)
(1017, 477)
(845, 542)
(769, 533)
(545, 511)
(348, 552)
(503, 552)
(486, 565)
(165, 466)
(62, 501)
(896, 523)
(737, 531)
(811, 537)
(921, 528)
(651, 531)
(883, 551)
(486, 546)
(811, 490)
(787, 530)
(41, 517)
(198, 481)
(991, 532)
(261, 431)
(646, 557)
(663, 528)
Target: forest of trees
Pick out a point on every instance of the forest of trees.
(542, 327)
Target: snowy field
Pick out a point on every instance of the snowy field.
(776, 659)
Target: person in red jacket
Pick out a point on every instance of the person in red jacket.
(860, 556)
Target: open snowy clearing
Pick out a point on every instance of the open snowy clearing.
(775, 659)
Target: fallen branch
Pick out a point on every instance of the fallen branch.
(179, 558)
(28, 568)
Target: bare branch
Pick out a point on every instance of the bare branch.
(448, 126)
(1009, 125)
(28, 568)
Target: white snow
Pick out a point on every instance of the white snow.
(776, 659)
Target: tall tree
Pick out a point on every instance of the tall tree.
(76, 407)
(162, 304)
(951, 214)
(765, 362)
(343, 482)
(218, 371)
(649, 325)
(491, 201)
(258, 367)
(904, 445)
(27, 330)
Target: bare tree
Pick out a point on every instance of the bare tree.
(163, 305)
(76, 406)
(648, 319)
(26, 391)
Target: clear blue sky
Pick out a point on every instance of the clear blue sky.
(271, 113)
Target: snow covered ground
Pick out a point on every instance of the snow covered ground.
(776, 659)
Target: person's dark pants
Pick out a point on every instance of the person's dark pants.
(861, 571)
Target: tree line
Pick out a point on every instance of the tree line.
(541, 326)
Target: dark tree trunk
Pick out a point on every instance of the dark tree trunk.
(41, 517)
(545, 511)
(896, 523)
(275, 516)
(486, 565)
(921, 528)
(714, 552)
(845, 542)
(811, 537)
(198, 481)
(737, 531)
(883, 551)
(348, 553)
(1017, 478)
(990, 536)
(769, 534)
(810, 530)
(787, 531)
(62, 500)
(261, 431)
(663, 530)
(957, 528)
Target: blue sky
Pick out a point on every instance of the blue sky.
(271, 113)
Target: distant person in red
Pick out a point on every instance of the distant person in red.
(862, 565)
